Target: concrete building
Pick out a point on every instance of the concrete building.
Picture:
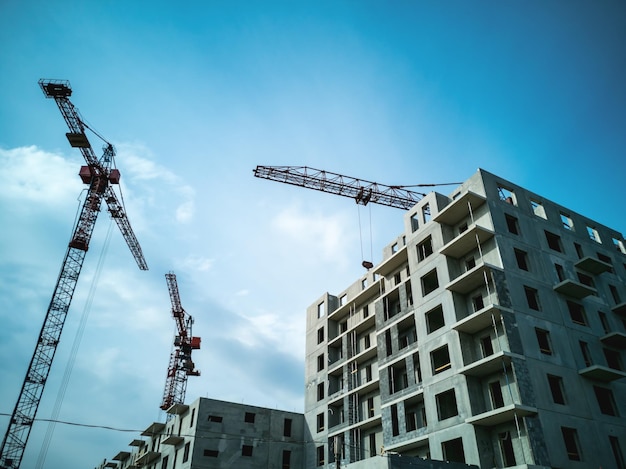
(492, 333)
(217, 434)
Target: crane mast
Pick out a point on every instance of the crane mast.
(180, 366)
(99, 175)
(362, 191)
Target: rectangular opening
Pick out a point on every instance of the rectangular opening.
(495, 393)
(249, 417)
(567, 222)
(506, 448)
(370, 407)
(577, 313)
(506, 195)
(215, 418)
(453, 450)
(211, 453)
(579, 250)
(320, 362)
(538, 209)
(286, 459)
(615, 294)
(572, 445)
(585, 279)
(486, 346)
(478, 303)
(434, 319)
(617, 451)
(512, 223)
(287, 427)
(320, 456)
(246, 450)
(388, 344)
(425, 249)
(554, 241)
(320, 391)
(446, 404)
(320, 310)
(320, 335)
(430, 282)
(604, 320)
(414, 222)
(395, 428)
(522, 259)
(372, 445)
(613, 359)
(593, 234)
(543, 339)
(440, 359)
(426, 213)
(320, 422)
(532, 298)
(557, 389)
(606, 401)
(560, 272)
(584, 350)
(618, 244)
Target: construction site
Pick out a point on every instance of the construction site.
(491, 334)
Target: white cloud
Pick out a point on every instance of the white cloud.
(197, 263)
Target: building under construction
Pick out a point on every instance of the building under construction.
(491, 334)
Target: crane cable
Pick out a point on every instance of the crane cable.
(74, 352)
(358, 209)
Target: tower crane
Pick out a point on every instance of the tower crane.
(100, 175)
(180, 366)
(360, 190)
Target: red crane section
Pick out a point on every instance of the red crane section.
(99, 175)
(181, 366)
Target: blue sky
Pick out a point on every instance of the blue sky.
(194, 96)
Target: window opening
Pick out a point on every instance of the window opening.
(538, 209)
(619, 245)
(388, 347)
(579, 250)
(395, 428)
(560, 272)
(572, 445)
(615, 294)
(426, 213)
(286, 459)
(617, 451)
(320, 335)
(506, 195)
(554, 241)
(435, 319)
(557, 389)
(440, 359)
(414, 222)
(372, 444)
(606, 401)
(478, 303)
(604, 320)
(287, 427)
(543, 339)
(430, 282)
(370, 406)
(522, 259)
(320, 456)
(246, 450)
(215, 418)
(512, 224)
(593, 234)
(613, 359)
(585, 279)
(425, 249)
(567, 222)
(470, 263)
(211, 453)
(446, 404)
(532, 298)
(320, 391)
(453, 450)
(320, 310)
(249, 417)
(343, 300)
(584, 350)
(394, 248)
(320, 362)
(577, 313)
(186, 452)
(320, 422)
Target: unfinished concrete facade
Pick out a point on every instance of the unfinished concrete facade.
(216, 434)
(492, 333)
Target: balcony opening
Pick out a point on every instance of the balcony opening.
(506, 448)
(495, 393)
(604, 320)
(617, 451)
(585, 279)
(615, 294)
(486, 346)
(613, 359)
(478, 303)
(398, 378)
(407, 333)
(415, 414)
